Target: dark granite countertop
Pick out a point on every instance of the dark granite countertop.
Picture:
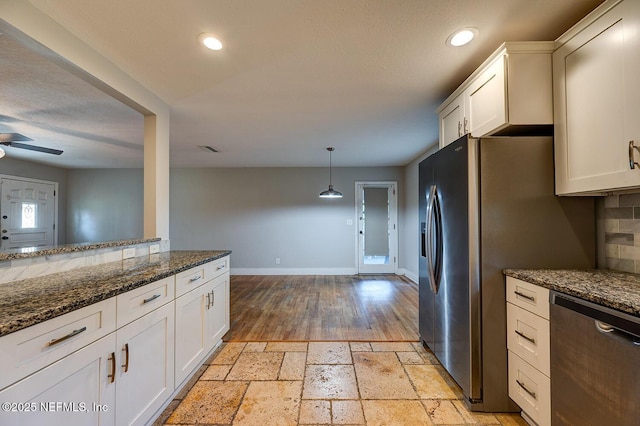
(67, 248)
(28, 302)
(616, 290)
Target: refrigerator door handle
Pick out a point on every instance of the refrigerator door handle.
(429, 244)
(437, 270)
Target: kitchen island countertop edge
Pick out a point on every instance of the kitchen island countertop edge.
(31, 301)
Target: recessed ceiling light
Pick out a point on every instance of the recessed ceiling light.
(210, 41)
(462, 37)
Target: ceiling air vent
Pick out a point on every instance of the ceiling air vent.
(207, 148)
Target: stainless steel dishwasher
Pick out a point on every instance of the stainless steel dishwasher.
(595, 364)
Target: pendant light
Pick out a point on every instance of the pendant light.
(330, 193)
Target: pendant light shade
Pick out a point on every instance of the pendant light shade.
(330, 193)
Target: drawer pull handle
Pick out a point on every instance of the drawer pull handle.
(533, 394)
(220, 267)
(154, 297)
(112, 376)
(194, 279)
(126, 357)
(524, 336)
(530, 298)
(68, 336)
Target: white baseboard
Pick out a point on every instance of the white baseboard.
(294, 271)
(412, 276)
(311, 271)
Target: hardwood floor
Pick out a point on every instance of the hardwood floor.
(323, 308)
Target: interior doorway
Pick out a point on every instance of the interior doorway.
(28, 212)
(377, 230)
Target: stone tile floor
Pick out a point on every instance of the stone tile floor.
(320, 383)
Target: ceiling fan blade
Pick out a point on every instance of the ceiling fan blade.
(33, 147)
(13, 137)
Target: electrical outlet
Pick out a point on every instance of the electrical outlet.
(277, 260)
(128, 253)
(154, 248)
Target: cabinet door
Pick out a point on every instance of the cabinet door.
(452, 121)
(217, 323)
(145, 374)
(596, 96)
(487, 101)
(76, 390)
(191, 342)
(202, 318)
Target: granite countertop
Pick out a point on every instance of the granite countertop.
(615, 290)
(26, 252)
(31, 301)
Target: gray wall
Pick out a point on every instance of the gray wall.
(104, 204)
(267, 213)
(14, 167)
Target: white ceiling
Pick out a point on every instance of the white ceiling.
(294, 77)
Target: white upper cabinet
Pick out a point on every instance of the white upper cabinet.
(510, 93)
(597, 102)
(452, 121)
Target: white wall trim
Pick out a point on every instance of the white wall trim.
(413, 277)
(294, 271)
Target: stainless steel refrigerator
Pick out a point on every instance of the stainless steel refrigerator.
(486, 205)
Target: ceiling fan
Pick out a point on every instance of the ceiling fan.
(15, 140)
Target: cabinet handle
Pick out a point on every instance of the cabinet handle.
(126, 357)
(632, 160)
(524, 296)
(112, 376)
(533, 394)
(154, 297)
(208, 300)
(466, 126)
(68, 336)
(213, 298)
(220, 267)
(524, 336)
(195, 279)
(459, 129)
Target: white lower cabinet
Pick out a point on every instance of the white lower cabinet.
(202, 318)
(76, 390)
(144, 379)
(119, 361)
(528, 342)
(530, 389)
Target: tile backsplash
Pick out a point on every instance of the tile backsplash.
(622, 232)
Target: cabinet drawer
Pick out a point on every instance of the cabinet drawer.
(528, 296)
(217, 267)
(528, 337)
(136, 303)
(28, 350)
(530, 389)
(195, 277)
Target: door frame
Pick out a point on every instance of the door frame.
(392, 186)
(55, 198)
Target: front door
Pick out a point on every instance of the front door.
(376, 210)
(27, 213)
